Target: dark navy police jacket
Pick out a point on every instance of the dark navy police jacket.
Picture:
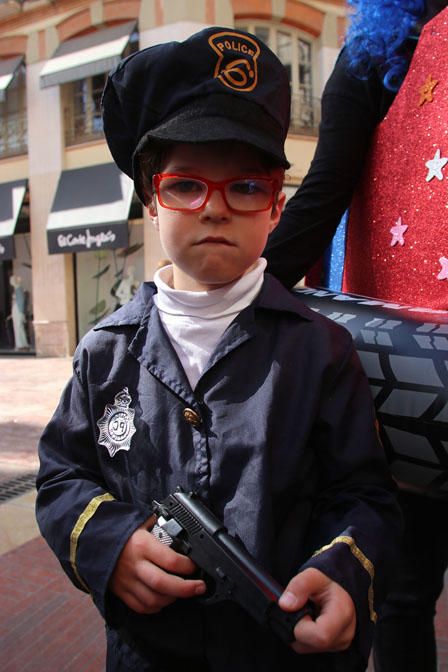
(278, 438)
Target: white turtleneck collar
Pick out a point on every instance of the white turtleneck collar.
(195, 321)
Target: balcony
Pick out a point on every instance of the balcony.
(305, 115)
(84, 125)
(13, 134)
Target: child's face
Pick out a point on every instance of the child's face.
(214, 246)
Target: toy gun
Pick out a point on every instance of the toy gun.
(186, 525)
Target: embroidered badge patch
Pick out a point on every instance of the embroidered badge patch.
(117, 424)
(237, 62)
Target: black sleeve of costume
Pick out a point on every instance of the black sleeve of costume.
(83, 522)
(353, 500)
(351, 109)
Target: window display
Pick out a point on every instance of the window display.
(107, 279)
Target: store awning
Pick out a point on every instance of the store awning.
(8, 70)
(86, 56)
(90, 210)
(12, 195)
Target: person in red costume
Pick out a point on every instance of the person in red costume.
(383, 152)
(363, 117)
(397, 215)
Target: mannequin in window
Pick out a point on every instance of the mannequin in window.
(127, 287)
(18, 313)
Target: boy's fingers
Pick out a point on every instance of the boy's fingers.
(161, 582)
(333, 629)
(169, 560)
(299, 590)
(292, 601)
(312, 636)
(324, 634)
(145, 601)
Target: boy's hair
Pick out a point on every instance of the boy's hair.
(221, 84)
(151, 161)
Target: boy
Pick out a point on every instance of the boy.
(220, 381)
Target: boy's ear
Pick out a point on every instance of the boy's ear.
(152, 210)
(277, 210)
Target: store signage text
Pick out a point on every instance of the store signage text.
(86, 239)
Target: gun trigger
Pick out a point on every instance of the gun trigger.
(220, 573)
(226, 584)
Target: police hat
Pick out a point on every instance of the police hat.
(219, 84)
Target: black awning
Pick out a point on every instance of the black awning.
(90, 210)
(86, 56)
(12, 195)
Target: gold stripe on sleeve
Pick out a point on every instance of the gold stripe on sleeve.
(365, 562)
(80, 524)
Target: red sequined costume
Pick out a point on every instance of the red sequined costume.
(397, 239)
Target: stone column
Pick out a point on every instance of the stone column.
(53, 280)
(329, 49)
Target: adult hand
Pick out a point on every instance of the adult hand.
(149, 575)
(334, 627)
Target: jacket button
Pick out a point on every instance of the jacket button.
(192, 417)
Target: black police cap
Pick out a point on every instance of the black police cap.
(219, 84)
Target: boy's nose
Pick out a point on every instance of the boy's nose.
(215, 206)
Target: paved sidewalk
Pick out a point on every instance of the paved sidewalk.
(29, 391)
(46, 625)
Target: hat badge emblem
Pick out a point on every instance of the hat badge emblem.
(237, 66)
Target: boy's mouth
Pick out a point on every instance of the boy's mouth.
(217, 240)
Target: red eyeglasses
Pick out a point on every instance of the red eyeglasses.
(190, 193)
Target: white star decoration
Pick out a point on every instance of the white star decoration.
(397, 232)
(443, 275)
(435, 166)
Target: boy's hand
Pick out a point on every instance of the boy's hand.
(334, 628)
(146, 577)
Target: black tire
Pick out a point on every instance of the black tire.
(404, 351)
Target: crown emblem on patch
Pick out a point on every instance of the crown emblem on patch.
(117, 424)
(237, 63)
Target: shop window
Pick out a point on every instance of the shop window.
(13, 120)
(296, 53)
(106, 279)
(305, 85)
(82, 113)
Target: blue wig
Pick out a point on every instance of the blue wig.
(376, 34)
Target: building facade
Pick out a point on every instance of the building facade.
(74, 240)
